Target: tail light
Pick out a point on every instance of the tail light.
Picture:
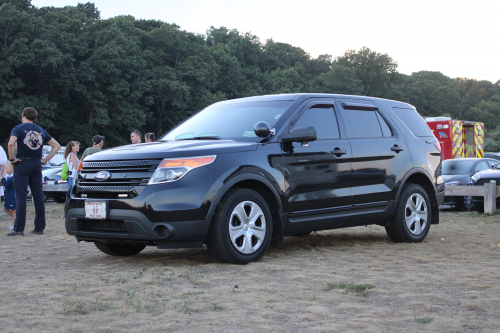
(437, 145)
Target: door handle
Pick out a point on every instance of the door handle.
(397, 149)
(338, 152)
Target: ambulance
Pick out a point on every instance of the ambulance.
(458, 138)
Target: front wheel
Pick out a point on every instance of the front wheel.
(119, 249)
(466, 204)
(412, 219)
(241, 228)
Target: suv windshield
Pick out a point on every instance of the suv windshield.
(457, 167)
(229, 121)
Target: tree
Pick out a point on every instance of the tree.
(338, 80)
(374, 70)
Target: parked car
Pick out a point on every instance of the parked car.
(481, 178)
(458, 172)
(495, 156)
(58, 158)
(53, 186)
(242, 174)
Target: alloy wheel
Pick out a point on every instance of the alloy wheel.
(247, 227)
(416, 214)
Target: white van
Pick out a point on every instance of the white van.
(58, 158)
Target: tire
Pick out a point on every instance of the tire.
(241, 229)
(412, 219)
(465, 204)
(118, 249)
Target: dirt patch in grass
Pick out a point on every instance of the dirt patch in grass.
(333, 281)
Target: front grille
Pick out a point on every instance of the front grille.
(125, 175)
(104, 225)
(93, 189)
(114, 164)
(486, 180)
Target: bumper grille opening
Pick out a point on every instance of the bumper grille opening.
(104, 225)
(486, 180)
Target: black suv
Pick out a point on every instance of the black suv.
(242, 174)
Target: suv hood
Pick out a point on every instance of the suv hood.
(488, 174)
(463, 179)
(181, 148)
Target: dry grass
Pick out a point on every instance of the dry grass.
(333, 281)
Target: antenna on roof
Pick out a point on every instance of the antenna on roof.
(367, 90)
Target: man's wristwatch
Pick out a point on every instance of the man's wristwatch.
(12, 159)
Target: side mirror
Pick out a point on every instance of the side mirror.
(301, 134)
(262, 129)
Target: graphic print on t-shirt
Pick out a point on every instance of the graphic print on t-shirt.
(33, 140)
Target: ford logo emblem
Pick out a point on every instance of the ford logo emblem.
(102, 176)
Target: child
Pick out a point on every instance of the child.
(10, 194)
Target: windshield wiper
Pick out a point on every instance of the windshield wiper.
(202, 138)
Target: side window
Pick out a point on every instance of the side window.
(362, 124)
(323, 119)
(386, 130)
(482, 166)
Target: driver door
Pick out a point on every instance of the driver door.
(317, 174)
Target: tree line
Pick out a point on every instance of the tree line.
(86, 75)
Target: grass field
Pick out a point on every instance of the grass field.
(348, 280)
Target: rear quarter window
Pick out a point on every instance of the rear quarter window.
(413, 121)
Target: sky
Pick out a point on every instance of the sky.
(457, 38)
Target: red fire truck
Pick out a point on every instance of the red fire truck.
(458, 138)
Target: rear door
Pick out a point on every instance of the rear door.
(380, 159)
(317, 173)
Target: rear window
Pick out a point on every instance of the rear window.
(457, 167)
(413, 121)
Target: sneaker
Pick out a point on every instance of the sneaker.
(15, 233)
(37, 232)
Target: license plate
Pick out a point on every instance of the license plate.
(95, 210)
(51, 182)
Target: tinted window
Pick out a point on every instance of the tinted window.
(413, 121)
(322, 118)
(361, 124)
(386, 130)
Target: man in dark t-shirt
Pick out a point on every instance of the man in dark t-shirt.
(28, 169)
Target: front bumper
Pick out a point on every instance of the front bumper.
(170, 215)
(451, 200)
(126, 225)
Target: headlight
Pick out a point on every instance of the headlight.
(455, 183)
(474, 178)
(173, 169)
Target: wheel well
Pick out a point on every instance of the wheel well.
(268, 195)
(422, 180)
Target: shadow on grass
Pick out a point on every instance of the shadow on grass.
(293, 245)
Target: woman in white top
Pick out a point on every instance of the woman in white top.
(72, 160)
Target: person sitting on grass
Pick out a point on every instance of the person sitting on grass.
(10, 194)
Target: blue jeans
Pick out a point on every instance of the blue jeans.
(70, 182)
(29, 173)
